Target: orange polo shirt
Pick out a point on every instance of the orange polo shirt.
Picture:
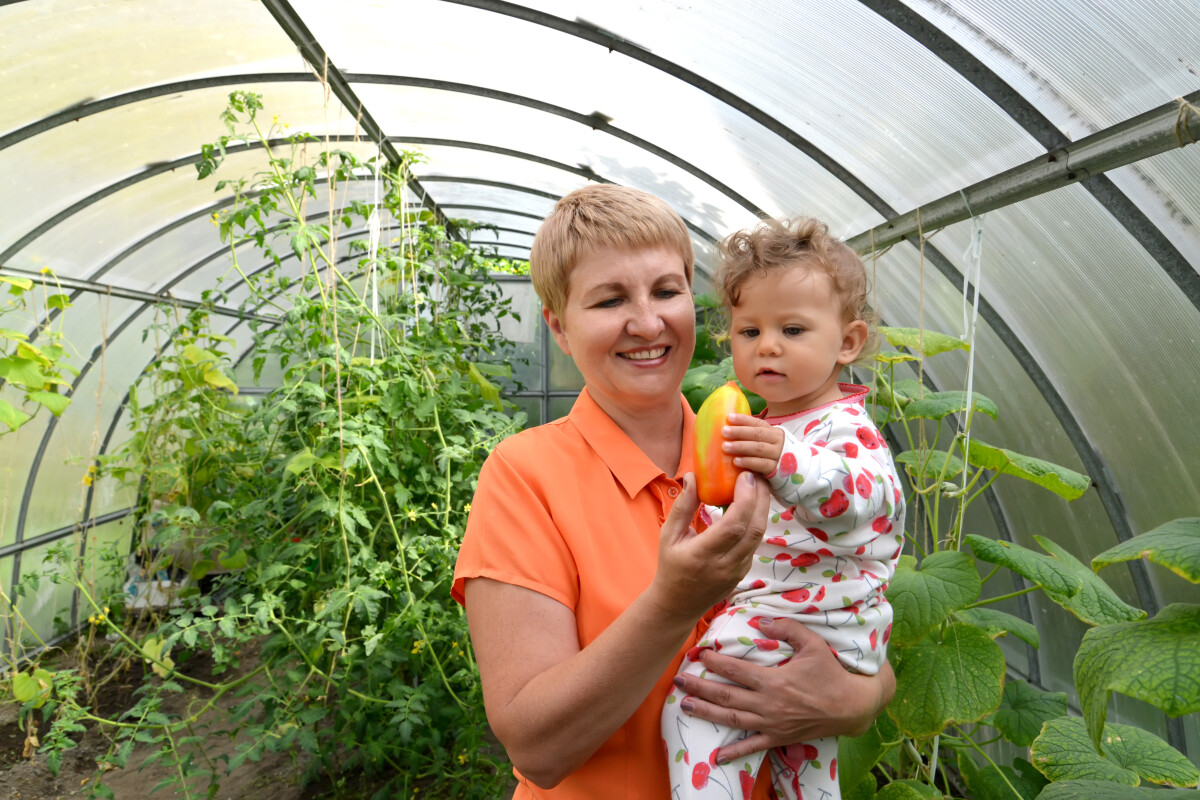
(572, 510)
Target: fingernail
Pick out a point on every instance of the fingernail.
(679, 681)
(748, 477)
(722, 760)
(687, 705)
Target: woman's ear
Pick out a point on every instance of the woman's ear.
(854, 336)
(554, 323)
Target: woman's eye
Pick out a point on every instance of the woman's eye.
(611, 302)
(667, 293)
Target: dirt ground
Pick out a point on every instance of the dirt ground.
(276, 775)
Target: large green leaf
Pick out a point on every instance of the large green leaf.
(951, 676)
(927, 465)
(922, 597)
(701, 381)
(1103, 790)
(1095, 603)
(1023, 710)
(24, 372)
(1174, 545)
(864, 789)
(999, 623)
(1063, 482)
(36, 685)
(1034, 567)
(938, 405)
(908, 790)
(989, 782)
(927, 343)
(1063, 752)
(1156, 661)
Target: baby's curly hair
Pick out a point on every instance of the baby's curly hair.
(804, 243)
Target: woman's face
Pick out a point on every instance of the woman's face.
(630, 325)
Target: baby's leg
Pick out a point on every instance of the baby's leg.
(806, 771)
(692, 743)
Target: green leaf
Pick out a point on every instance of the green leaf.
(37, 684)
(218, 380)
(1156, 661)
(236, 561)
(701, 381)
(1174, 545)
(20, 283)
(928, 465)
(1063, 482)
(58, 301)
(927, 343)
(487, 390)
(1024, 709)
(11, 416)
(999, 623)
(856, 757)
(908, 790)
(922, 597)
(938, 405)
(864, 789)
(1103, 790)
(201, 568)
(893, 357)
(989, 782)
(24, 372)
(1064, 752)
(57, 403)
(956, 678)
(1096, 603)
(1034, 567)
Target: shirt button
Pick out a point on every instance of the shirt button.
(673, 491)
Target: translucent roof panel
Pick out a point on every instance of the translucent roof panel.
(100, 50)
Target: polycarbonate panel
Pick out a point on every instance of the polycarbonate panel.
(59, 54)
(1166, 189)
(1051, 53)
(46, 612)
(906, 124)
(48, 173)
(58, 490)
(476, 195)
(457, 116)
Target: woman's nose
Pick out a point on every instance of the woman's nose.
(645, 321)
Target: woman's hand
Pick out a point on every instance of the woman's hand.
(698, 570)
(810, 697)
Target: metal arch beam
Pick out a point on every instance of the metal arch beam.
(614, 43)
(1112, 504)
(1047, 134)
(549, 108)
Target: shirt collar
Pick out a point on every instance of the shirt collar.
(632, 468)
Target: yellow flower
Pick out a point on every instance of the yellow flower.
(275, 121)
(467, 508)
(462, 758)
(45, 270)
(412, 515)
(434, 505)
(417, 645)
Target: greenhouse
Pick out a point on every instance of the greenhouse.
(268, 309)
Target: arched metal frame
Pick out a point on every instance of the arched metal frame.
(1119, 206)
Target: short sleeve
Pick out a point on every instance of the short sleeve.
(511, 534)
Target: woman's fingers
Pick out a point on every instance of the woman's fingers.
(779, 703)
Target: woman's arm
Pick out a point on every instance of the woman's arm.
(810, 697)
(552, 703)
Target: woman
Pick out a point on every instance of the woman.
(582, 580)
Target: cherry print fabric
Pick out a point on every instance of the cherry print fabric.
(835, 531)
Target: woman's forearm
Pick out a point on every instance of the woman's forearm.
(549, 702)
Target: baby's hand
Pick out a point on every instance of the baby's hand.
(755, 444)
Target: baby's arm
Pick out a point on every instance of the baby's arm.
(839, 474)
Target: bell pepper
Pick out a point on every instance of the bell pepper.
(716, 476)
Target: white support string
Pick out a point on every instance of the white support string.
(973, 257)
(373, 249)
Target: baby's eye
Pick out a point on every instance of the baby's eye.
(749, 333)
(793, 330)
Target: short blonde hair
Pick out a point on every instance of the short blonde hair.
(601, 216)
(802, 243)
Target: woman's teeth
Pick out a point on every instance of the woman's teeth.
(645, 355)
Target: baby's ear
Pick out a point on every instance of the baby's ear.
(854, 336)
